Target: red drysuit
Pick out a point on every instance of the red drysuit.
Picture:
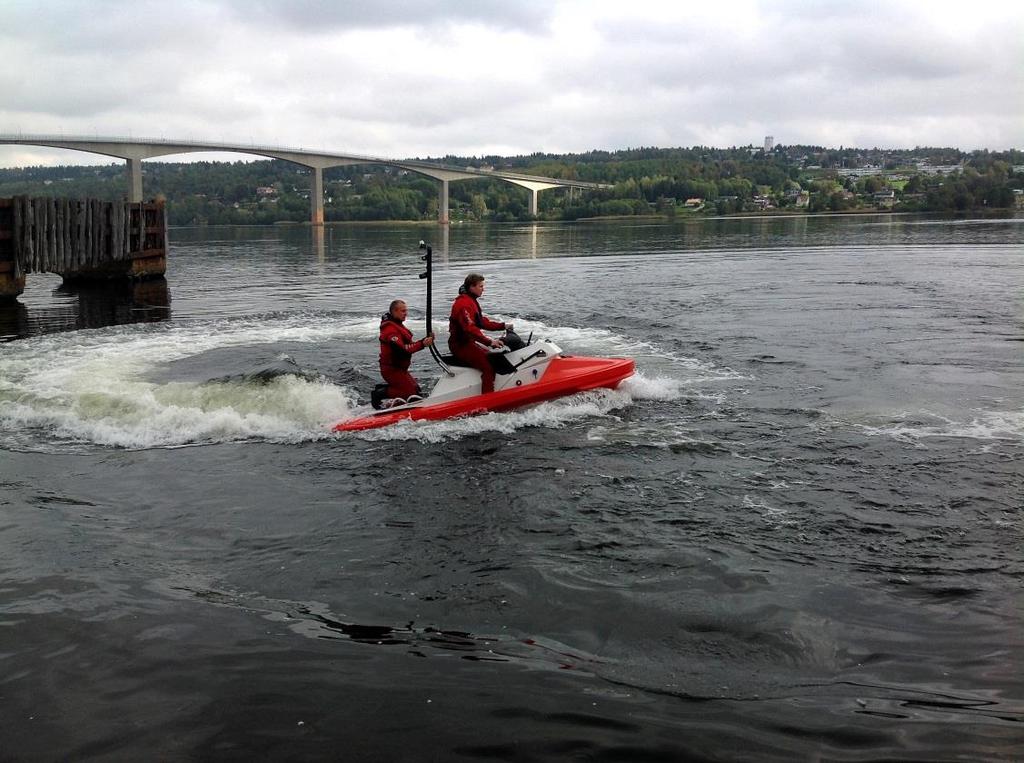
(465, 329)
(396, 349)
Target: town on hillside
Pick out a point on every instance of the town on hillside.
(768, 178)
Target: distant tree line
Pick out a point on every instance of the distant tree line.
(698, 180)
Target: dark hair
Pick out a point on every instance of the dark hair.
(472, 280)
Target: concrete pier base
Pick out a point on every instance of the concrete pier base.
(442, 203)
(134, 168)
(316, 197)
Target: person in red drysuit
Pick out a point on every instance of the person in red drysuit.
(396, 350)
(466, 327)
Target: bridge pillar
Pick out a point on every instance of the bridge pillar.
(316, 196)
(442, 204)
(534, 187)
(134, 180)
(534, 193)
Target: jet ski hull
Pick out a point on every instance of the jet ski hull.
(563, 376)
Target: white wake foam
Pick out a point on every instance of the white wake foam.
(987, 426)
(599, 341)
(554, 413)
(89, 388)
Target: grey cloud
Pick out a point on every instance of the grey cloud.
(330, 15)
(678, 53)
(503, 75)
(800, 72)
(111, 27)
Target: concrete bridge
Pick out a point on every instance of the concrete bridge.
(135, 150)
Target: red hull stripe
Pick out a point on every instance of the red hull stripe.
(564, 376)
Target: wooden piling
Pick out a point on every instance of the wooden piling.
(17, 231)
(30, 236)
(40, 247)
(65, 246)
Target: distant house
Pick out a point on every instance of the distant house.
(1018, 198)
(264, 191)
(693, 203)
(861, 172)
(884, 199)
(762, 202)
(942, 169)
(803, 199)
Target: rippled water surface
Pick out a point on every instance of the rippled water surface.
(796, 533)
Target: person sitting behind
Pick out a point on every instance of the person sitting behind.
(466, 327)
(396, 351)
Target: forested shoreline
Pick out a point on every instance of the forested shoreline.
(672, 182)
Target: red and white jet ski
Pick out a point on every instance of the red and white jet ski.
(541, 372)
(526, 375)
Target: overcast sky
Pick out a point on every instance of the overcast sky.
(435, 77)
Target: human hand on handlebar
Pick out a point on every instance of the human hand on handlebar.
(497, 343)
(508, 327)
(428, 340)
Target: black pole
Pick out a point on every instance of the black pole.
(429, 259)
(434, 353)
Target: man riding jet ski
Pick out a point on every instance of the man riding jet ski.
(396, 351)
(473, 381)
(466, 327)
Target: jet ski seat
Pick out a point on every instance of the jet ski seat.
(499, 363)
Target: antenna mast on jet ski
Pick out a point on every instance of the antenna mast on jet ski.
(429, 259)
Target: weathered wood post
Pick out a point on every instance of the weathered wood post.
(12, 281)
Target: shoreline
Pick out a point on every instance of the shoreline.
(986, 213)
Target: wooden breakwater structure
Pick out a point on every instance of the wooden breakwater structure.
(80, 239)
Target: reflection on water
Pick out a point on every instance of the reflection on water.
(319, 245)
(87, 306)
(289, 267)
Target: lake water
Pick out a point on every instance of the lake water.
(796, 533)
